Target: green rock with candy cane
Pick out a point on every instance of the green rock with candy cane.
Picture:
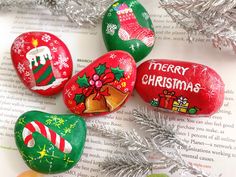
(127, 26)
(50, 143)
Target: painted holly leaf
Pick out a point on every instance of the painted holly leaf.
(158, 175)
(100, 69)
(79, 98)
(119, 73)
(83, 81)
(193, 110)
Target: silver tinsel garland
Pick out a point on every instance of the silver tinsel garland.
(214, 18)
(134, 162)
(82, 12)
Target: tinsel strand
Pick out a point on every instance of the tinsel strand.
(215, 19)
(125, 164)
(157, 127)
(130, 139)
(132, 164)
(84, 13)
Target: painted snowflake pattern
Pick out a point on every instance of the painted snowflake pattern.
(27, 76)
(133, 3)
(112, 56)
(46, 38)
(145, 15)
(111, 28)
(68, 93)
(132, 47)
(21, 68)
(54, 49)
(19, 45)
(62, 62)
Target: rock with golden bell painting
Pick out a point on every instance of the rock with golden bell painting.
(103, 86)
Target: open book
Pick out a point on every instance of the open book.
(211, 141)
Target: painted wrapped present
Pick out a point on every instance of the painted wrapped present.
(166, 99)
(181, 105)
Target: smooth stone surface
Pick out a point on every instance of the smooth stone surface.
(178, 86)
(103, 86)
(127, 26)
(50, 143)
(30, 173)
(42, 61)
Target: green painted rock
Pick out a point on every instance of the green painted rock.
(158, 175)
(127, 26)
(50, 143)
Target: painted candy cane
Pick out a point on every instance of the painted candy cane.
(36, 126)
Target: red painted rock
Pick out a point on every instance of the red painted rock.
(42, 61)
(183, 87)
(103, 86)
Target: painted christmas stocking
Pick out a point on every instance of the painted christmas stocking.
(130, 28)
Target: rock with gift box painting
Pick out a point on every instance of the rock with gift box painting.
(183, 87)
(50, 143)
(103, 86)
(42, 61)
(127, 26)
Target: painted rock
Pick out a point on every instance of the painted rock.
(30, 173)
(50, 143)
(183, 87)
(42, 61)
(127, 26)
(103, 86)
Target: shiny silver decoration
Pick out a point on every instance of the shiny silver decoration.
(134, 161)
(215, 19)
(84, 13)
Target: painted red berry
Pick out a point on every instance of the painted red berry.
(95, 77)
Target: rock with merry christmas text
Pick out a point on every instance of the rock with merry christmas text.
(178, 86)
(42, 61)
(50, 143)
(103, 86)
(127, 26)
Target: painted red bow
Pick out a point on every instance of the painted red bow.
(96, 88)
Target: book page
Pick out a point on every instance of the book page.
(211, 141)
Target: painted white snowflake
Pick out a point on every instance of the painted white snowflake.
(21, 68)
(132, 47)
(62, 62)
(27, 76)
(111, 28)
(64, 73)
(18, 45)
(46, 38)
(145, 15)
(68, 93)
(54, 49)
(133, 3)
(112, 56)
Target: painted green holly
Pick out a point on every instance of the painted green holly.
(100, 69)
(158, 175)
(119, 73)
(50, 143)
(79, 98)
(83, 81)
(193, 110)
(127, 26)
(154, 103)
